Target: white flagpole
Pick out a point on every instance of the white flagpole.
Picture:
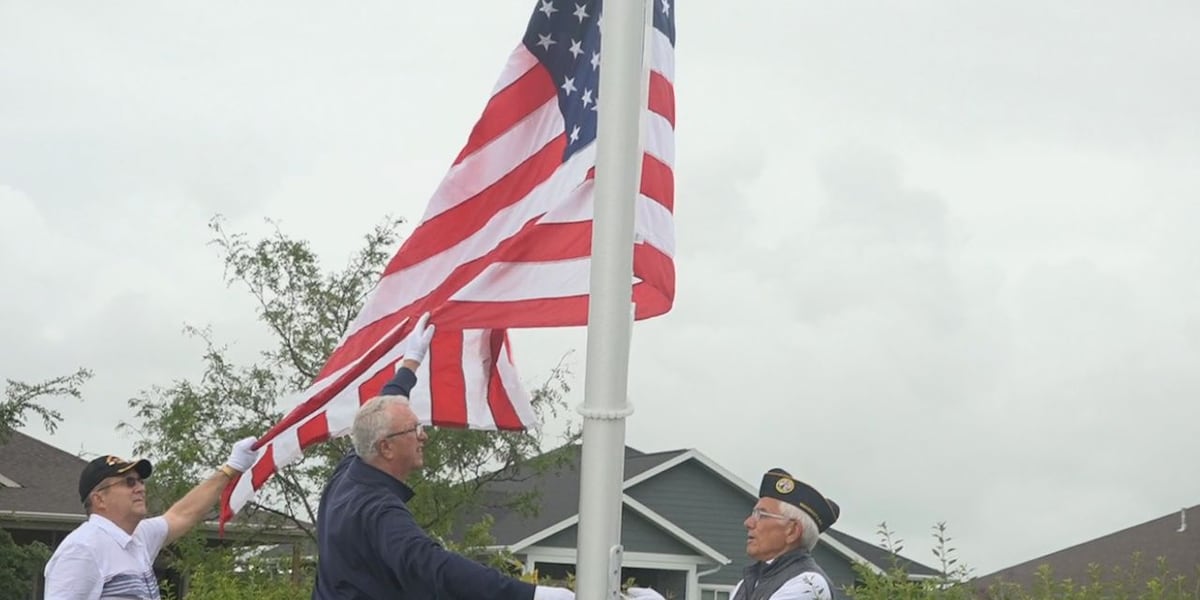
(610, 309)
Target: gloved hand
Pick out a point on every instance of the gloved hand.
(543, 592)
(418, 341)
(242, 457)
(637, 593)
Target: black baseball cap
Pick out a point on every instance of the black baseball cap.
(103, 467)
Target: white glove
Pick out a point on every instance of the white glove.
(542, 592)
(241, 458)
(418, 341)
(637, 593)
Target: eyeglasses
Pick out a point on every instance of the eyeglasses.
(130, 481)
(417, 429)
(759, 514)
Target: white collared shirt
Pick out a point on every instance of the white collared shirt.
(99, 560)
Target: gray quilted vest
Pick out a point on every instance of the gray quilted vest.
(760, 580)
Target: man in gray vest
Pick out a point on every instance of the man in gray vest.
(781, 532)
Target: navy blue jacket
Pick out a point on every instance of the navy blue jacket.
(372, 548)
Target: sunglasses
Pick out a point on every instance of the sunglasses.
(130, 481)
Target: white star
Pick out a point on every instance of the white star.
(595, 60)
(666, 7)
(576, 50)
(545, 41)
(575, 134)
(568, 85)
(587, 97)
(581, 11)
(597, 104)
(548, 8)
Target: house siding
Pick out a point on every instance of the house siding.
(712, 509)
(704, 505)
(839, 570)
(638, 534)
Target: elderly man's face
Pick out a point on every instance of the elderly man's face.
(404, 446)
(769, 533)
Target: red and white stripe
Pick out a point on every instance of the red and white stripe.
(505, 242)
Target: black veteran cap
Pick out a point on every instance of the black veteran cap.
(780, 485)
(103, 467)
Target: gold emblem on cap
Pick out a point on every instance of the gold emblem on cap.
(112, 460)
(785, 485)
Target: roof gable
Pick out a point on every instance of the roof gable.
(559, 504)
(558, 491)
(48, 478)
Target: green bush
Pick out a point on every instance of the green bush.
(223, 578)
(19, 565)
(955, 582)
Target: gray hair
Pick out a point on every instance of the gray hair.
(809, 534)
(371, 423)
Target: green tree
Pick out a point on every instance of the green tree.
(19, 565)
(21, 399)
(189, 425)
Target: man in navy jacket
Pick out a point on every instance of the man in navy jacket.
(370, 545)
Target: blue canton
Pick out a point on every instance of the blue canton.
(564, 35)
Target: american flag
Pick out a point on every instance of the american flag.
(505, 242)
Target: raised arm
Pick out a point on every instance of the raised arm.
(191, 509)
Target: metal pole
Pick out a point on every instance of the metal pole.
(610, 310)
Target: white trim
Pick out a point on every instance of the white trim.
(6, 482)
(693, 585)
(913, 577)
(674, 530)
(692, 454)
(643, 510)
(715, 587)
(43, 516)
(540, 535)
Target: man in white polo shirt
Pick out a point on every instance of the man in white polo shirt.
(111, 555)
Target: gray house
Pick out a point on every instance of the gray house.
(681, 525)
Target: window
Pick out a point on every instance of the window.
(715, 592)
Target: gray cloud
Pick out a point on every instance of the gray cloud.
(940, 261)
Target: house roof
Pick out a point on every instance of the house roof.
(878, 556)
(558, 489)
(47, 478)
(559, 503)
(40, 482)
(1170, 536)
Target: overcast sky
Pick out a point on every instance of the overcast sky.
(936, 258)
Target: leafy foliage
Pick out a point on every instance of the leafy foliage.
(189, 425)
(19, 565)
(21, 398)
(224, 577)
